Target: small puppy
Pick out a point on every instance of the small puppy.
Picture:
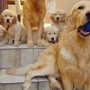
(50, 36)
(58, 19)
(16, 31)
(3, 36)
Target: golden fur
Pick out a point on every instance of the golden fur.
(3, 36)
(58, 19)
(16, 30)
(50, 36)
(71, 55)
(33, 16)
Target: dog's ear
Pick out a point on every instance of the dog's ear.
(14, 19)
(1, 18)
(52, 17)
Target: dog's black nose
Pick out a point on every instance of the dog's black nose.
(88, 15)
(7, 20)
(57, 18)
(52, 39)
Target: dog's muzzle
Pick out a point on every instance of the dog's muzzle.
(83, 31)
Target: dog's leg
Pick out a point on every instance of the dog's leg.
(40, 70)
(29, 35)
(17, 38)
(87, 86)
(39, 41)
(67, 84)
(54, 83)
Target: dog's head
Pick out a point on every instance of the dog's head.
(58, 16)
(2, 31)
(8, 16)
(79, 16)
(52, 34)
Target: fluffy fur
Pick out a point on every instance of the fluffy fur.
(50, 36)
(3, 36)
(71, 55)
(58, 19)
(16, 30)
(33, 16)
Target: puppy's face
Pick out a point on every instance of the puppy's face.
(8, 16)
(2, 31)
(79, 16)
(58, 16)
(52, 34)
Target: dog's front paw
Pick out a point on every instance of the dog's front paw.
(39, 42)
(30, 43)
(16, 44)
(26, 86)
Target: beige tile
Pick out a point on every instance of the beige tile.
(26, 56)
(10, 58)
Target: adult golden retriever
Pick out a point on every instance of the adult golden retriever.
(71, 55)
(33, 16)
(15, 29)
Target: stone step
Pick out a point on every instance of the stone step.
(8, 82)
(11, 56)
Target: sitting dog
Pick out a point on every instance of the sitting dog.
(16, 31)
(50, 36)
(58, 19)
(3, 36)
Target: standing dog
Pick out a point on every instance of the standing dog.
(33, 16)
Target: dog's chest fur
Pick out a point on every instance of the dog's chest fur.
(78, 65)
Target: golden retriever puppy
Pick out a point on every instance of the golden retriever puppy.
(58, 19)
(16, 30)
(51, 35)
(33, 16)
(71, 56)
(3, 36)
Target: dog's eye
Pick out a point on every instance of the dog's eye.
(5, 15)
(60, 14)
(49, 33)
(55, 14)
(10, 15)
(54, 33)
(81, 7)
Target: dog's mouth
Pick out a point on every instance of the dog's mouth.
(83, 31)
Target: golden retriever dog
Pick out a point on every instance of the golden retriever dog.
(51, 35)
(3, 36)
(33, 16)
(71, 56)
(16, 30)
(58, 19)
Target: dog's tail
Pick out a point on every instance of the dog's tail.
(19, 70)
